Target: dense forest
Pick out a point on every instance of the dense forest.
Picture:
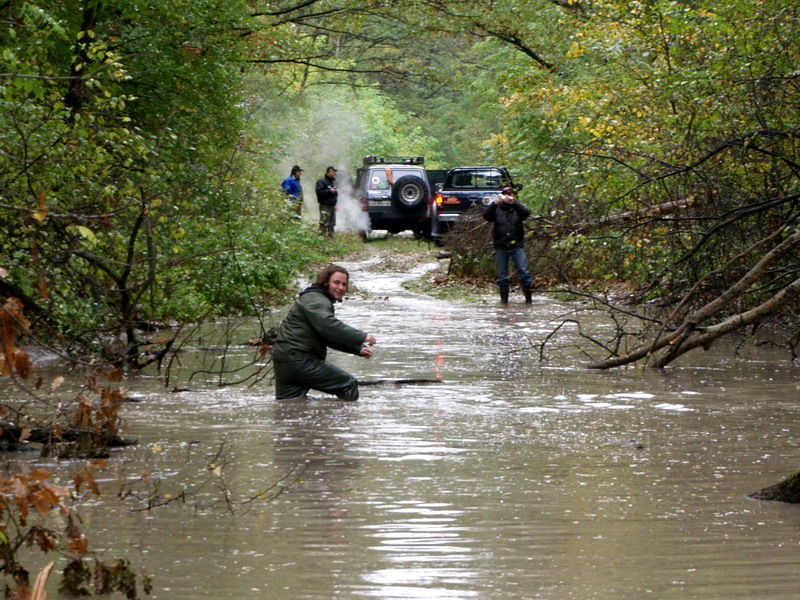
(142, 146)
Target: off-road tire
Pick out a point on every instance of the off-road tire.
(410, 193)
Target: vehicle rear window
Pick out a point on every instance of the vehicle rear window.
(379, 179)
(477, 178)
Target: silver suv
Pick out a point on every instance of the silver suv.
(395, 192)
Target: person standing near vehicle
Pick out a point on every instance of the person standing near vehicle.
(294, 189)
(305, 334)
(508, 216)
(327, 195)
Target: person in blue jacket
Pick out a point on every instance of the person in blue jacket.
(294, 189)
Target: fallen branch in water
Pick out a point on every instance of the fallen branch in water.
(14, 436)
(399, 381)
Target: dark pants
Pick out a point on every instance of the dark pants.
(296, 204)
(295, 378)
(327, 219)
(520, 260)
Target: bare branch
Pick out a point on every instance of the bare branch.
(737, 322)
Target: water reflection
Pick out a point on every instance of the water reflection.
(509, 479)
(314, 438)
(428, 547)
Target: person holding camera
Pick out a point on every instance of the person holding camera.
(508, 214)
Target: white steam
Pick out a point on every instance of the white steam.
(325, 131)
(349, 216)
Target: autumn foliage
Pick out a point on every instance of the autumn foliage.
(13, 324)
(29, 500)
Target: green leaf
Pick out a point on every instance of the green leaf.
(84, 232)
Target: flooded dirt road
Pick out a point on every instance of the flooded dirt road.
(510, 478)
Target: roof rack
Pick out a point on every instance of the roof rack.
(402, 160)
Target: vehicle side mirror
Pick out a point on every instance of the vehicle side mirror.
(517, 186)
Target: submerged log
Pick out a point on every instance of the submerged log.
(67, 440)
(787, 490)
(399, 381)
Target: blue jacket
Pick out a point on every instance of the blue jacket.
(292, 187)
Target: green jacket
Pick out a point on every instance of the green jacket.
(310, 328)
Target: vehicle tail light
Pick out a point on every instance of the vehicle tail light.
(438, 199)
(364, 204)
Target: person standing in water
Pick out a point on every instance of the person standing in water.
(305, 334)
(507, 215)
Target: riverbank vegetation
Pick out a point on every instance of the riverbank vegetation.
(142, 149)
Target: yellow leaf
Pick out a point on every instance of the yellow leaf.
(41, 214)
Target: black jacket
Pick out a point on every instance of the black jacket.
(508, 219)
(324, 193)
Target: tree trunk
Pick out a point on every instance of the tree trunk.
(77, 93)
(547, 229)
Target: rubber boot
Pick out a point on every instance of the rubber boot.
(504, 296)
(528, 295)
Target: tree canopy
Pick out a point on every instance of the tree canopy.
(141, 147)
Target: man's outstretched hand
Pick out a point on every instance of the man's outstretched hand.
(366, 349)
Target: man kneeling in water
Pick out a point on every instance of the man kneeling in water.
(305, 334)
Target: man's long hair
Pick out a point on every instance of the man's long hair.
(324, 276)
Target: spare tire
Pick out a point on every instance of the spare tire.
(410, 193)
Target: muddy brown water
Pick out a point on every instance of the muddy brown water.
(509, 478)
